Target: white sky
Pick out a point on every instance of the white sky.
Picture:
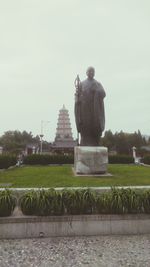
(44, 44)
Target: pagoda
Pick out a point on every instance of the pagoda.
(64, 141)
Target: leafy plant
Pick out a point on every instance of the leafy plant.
(72, 201)
(103, 203)
(132, 201)
(29, 203)
(49, 203)
(79, 201)
(117, 205)
(53, 202)
(43, 203)
(88, 202)
(57, 204)
(120, 201)
(7, 203)
(146, 201)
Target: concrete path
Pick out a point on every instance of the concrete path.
(100, 188)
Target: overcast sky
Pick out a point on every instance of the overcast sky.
(44, 44)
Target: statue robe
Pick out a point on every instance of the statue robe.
(89, 112)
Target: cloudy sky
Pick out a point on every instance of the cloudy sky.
(44, 44)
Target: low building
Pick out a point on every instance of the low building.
(31, 149)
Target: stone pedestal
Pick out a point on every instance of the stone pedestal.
(90, 160)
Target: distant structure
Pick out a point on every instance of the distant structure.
(64, 142)
(31, 149)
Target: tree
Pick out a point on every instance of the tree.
(16, 141)
(108, 140)
(122, 142)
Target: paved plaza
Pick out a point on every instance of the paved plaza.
(102, 251)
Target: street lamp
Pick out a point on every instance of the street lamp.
(41, 135)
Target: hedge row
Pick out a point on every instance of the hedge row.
(61, 159)
(75, 202)
(6, 161)
(121, 159)
(38, 159)
(146, 159)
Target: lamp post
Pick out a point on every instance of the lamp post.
(41, 135)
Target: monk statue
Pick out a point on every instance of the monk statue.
(89, 109)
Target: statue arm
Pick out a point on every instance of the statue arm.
(102, 91)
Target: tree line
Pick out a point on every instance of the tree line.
(120, 142)
(15, 141)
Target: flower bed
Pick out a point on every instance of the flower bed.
(76, 202)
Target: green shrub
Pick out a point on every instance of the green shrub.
(6, 161)
(132, 200)
(117, 203)
(44, 206)
(146, 160)
(38, 159)
(88, 201)
(42, 203)
(146, 201)
(49, 203)
(103, 203)
(79, 201)
(120, 159)
(28, 203)
(125, 201)
(57, 204)
(74, 202)
(7, 203)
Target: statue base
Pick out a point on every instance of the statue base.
(90, 160)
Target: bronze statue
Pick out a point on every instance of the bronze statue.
(89, 109)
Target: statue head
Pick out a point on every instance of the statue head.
(90, 73)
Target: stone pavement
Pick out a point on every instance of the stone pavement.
(102, 251)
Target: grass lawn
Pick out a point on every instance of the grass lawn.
(60, 176)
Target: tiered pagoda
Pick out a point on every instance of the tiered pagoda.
(64, 141)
